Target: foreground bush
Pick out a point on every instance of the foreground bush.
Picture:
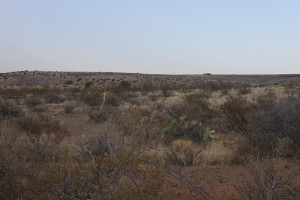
(265, 127)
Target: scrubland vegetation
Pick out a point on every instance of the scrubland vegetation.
(127, 138)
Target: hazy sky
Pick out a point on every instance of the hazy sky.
(151, 36)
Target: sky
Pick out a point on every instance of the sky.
(151, 36)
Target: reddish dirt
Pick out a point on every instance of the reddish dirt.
(220, 181)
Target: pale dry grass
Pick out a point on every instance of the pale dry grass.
(183, 151)
(215, 153)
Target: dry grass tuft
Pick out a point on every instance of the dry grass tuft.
(215, 153)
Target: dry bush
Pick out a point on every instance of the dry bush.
(39, 109)
(143, 183)
(102, 114)
(115, 170)
(291, 89)
(7, 171)
(211, 86)
(69, 82)
(182, 152)
(215, 153)
(267, 100)
(69, 108)
(155, 156)
(268, 126)
(112, 100)
(88, 84)
(237, 111)
(282, 121)
(33, 101)
(142, 124)
(54, 98)
(243, 89)
(12, 93)
(148, 86)
(41, 139)
(37, 125)
(196, 106)
(9, 110)
(122, 87)
(93, 98)
(268, 179)
(166, 90)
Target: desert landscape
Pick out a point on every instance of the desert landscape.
(106, 135)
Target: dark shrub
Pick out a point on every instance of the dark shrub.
(265, 127)
(123, 86)
(33, 101)
(237, 111)
(93, 98)
(283, 121)
(38, 124)
(69, 108)
(102, 115)
(69, 82)
(9, 110)
(89, 84)
(54, 98)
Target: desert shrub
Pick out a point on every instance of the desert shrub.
(88, 84)
(54, 98)
(187, 129)
(148, 86)
(243, 89)
(284, 147)
(69, 108)
(112, 100)
(291, 89)
(215, 153)
(196, 106)
(165, 90)
(10, 187)
(94, 98)
(211, 86)
(153, 97)
(237, 111)
(34, 101)
(283, 122)
(143, 125)
(262, 126)
(267, 100)
(98, 117)
(12, 93)
(41, 140)
(147, 183)
(95, 146)
(39, 109)
(9, 110)
(37, 125)
(69, 82)
(268, 179)
(123, 86)
(182, 152)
